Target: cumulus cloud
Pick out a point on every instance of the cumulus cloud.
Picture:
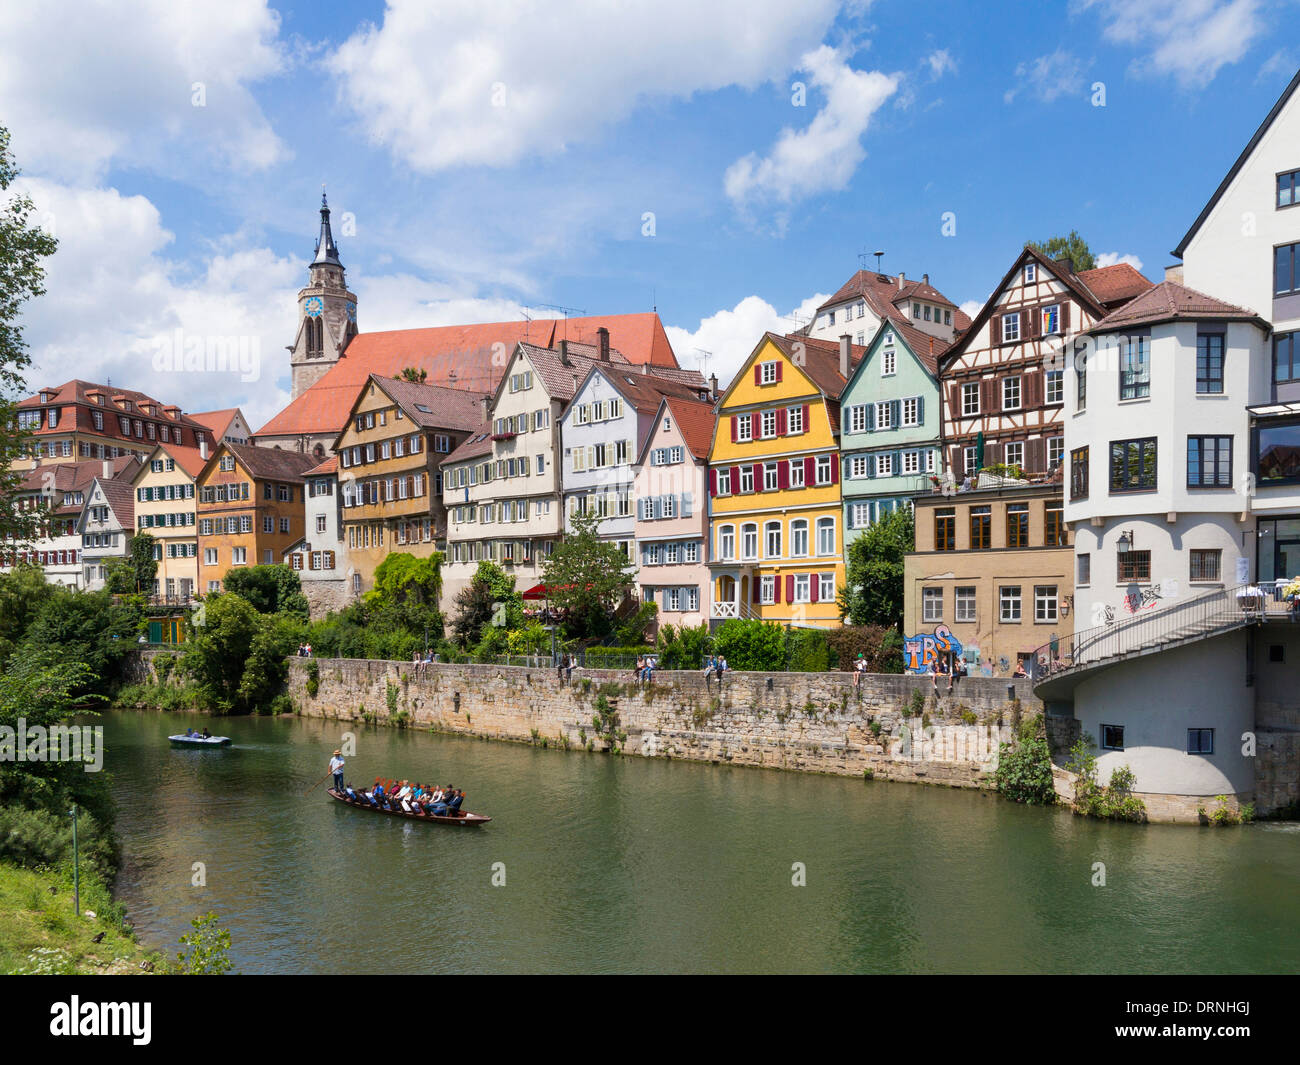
(729, 336)
(972, 307)
(940, 62)
(94, 84)
(1049, 77)
(454, 84)
(1189, 40)
(823, 156)
(1110, 258)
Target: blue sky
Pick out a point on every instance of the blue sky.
(483, 158)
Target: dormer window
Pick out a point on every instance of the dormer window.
(1031, 273)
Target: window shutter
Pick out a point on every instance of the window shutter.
(1065, 316)
(758, 374)
(756, 585)
(1033, 383)
(779, 367)
(920, 410)
(895, 412)
(780, 421)
(835, 469)
(809, 471)
(757, 471)
(1026, 323)
(805, 417)
(954, 461)
(995, 330)
(898, 463)
(733, 428)
(989, 400)
(1036, 456)
(813, 588)
(789, 587)
(645, 555)
(713, 481)
(753, 424)
(783, 475)
(954, 401)
(871, 465)
(688, 502)
(776, 589)
(871, 417)
(1034, 322)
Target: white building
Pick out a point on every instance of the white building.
(870, 297)
(321, 557)
(106, 525)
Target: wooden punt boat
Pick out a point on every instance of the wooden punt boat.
(462, 818)
(200, 741)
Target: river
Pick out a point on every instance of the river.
(624, 864)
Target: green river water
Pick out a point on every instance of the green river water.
(624, 864)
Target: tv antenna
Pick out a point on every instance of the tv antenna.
(705, 355)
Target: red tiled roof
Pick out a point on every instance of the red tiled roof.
(216, 420)
(695, 420)
(882, 291)
(1170, 301)
(121, 498)
(1114, 284)
(188, 459)
(478, 443)
(456, 356)
(821, 361)
(431, 406)
(925, 347)
(330, 465)
(645, 391)
(75, 392)
(271, 463)
(75, 476)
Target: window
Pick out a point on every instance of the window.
(1200, 741)
(1017, 524)
(1133, 465)
(1044, 602)
(1209, 462)
(824, 468)
(1078, 474)
(744, 426)
(826, 536)
(1288, 189)
(968, 461)
(796, 473)
(798, 539)
(945, 529)
(724, 482)
(746, 478)
(1055, 451)
(1112, 737)
(1031, 273)
(1286, 358)
(793, 421)
(858, 418)
(767, 370)
(727, 542)
(1054, 525)
(1009, 605)
(884, 415)
(888, 362)
(1080, 380)
(1286, 269)
(1083, 569)
(1135, 367)
(964, 604)
(1050, 318)
(1209, 363)
(885, 464)
(931, 604)
(1010, 328)
(912, 411)
(768, 422)
(1205, 564)
(749, 541)
(857, 467)
(970, 399)
(911, 462)
(1055, 382)
(981, 525)
(767, 590)
(1133, 566)
(802, 585)
(1013, 454)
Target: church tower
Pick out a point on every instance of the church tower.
(327, 313)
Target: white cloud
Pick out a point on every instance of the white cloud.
(1189, 40)
(823, 156)
(1281, 64)
(455, 84)
(1049, 77)
(940, 63)
(84, 85)
(1110, 258)
(972, 307)
(729, 336)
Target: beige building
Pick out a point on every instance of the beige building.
(166, 509)
(994, 568)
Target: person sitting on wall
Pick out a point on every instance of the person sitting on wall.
(859, 669)
(934, 674)
(1020, 673)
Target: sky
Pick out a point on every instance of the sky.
(726, 162)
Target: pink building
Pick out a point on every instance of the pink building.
(672, 511)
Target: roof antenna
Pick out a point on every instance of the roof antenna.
(877, 254)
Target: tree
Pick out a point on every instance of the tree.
(410, 373)
(477, 606)
(23, 593)
(874, 594)
(93, 628)
(749, 644)
(274, 589)
(22, 277)
(218, 646)
(586, 578)
(136, 572)
(1073, 247)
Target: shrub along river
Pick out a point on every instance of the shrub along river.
(623, 864)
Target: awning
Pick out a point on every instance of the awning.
(537, 591)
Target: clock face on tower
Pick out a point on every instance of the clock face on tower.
(314, 307)
(352, 312)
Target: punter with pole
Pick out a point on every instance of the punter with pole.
(336, 767)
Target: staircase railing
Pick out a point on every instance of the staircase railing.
(1218, 611)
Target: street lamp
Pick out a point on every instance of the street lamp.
(76, 864)
(1125, 542)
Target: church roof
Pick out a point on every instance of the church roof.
(327, 253)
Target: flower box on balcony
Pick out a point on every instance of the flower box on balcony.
(503, 436)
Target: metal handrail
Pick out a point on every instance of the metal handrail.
(1216, 611)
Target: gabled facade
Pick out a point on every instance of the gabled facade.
(890, 425)
(869, 298)
(228, 426)
(777, 545)
(672, 512)
(105, 526)
(166, 507)
(1004, 378)
(390, 456)
(321, 558)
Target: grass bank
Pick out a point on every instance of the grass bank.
(41, 934)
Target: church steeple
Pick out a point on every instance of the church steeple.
(327, 253)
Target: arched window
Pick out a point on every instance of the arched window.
(749, 541)
(799, 538)
(726, 542)
(826, 536)
(772, 539)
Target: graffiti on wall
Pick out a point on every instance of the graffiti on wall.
(921, 650)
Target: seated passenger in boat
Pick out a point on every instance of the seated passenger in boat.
(440, 802)
(453, 807)
(206, 734)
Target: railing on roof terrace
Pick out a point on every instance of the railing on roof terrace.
(1152, 628)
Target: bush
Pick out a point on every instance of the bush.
(880, 644)
(1025, 768)
(1115, 801)
(808, 651)
(684, 648)
(757, 646)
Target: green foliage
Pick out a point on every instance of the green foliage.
(313, 678)
(1073, 246)
(269, 589)
(93, 628)
(135, 573)
(683, 648)
(1024, 771)
(917, 702)
(1115, 801)
(807, 651)
(631, 632)
(237, 655)
(410, 373)
(873, 594)
(476, 605)
(1225, 815)
(209, 948)
(23, 595)
(1001, 469)
(586, 579)
(751, 645)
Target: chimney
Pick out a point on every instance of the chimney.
(902, 280)
(713, 386)
(564, 353)
(1174, 272)
(484, 402)
(845, 341)
(108, 469)
(645, 369)
(925, 279)
(1067, 262)
(602, 342)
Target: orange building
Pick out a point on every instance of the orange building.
(251, 509)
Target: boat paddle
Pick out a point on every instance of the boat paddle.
(316, 785)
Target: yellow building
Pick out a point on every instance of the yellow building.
(777, 550)
(166, 509)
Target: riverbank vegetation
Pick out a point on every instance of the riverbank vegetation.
(1024, 772)
(1114, 801)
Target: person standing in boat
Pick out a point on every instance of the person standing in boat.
(336, 767)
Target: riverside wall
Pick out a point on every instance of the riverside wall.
(811, 722)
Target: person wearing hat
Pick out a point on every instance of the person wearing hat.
(859, 667)
(336, 767)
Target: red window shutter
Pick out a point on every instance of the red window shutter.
(733, 429)
(805, 417)
(1033, 320)
(776, 588)
(758, 374)
(954, 401)
(813, 582)
(789, 587)
(778, 372)
(757, 471)
(754, 591)
(780, 421)
(735, 480)
(835, 469)
(783, 475)
(809, 471)
(713, 482)
(753, 424)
